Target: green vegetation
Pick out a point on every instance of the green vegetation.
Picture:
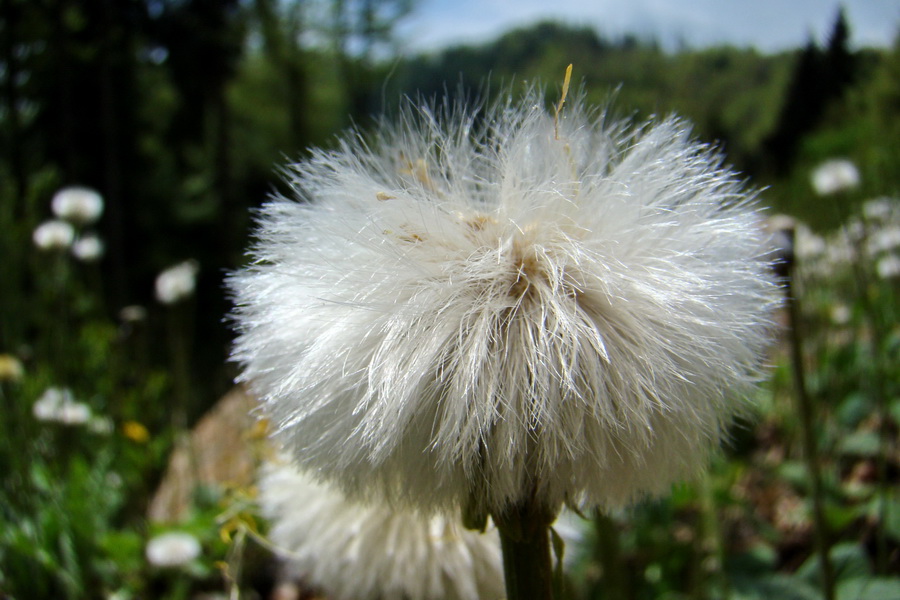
(180, 112)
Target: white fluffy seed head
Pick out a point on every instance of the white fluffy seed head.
(477, 308)
(53, 235)
(172, 549)
(353, 551)
(177, 282)
(832, 176)
(79, 205)
(58, 405)
(88, 248)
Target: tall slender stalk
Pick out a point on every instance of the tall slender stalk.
(712, 547)
(609, 554)
(877, 325)
(179, 352)
(810, 445)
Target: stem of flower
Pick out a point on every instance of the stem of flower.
(810, 443)
(525, 541)
(613, 581)
(877, 324)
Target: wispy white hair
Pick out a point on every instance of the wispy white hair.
(481, 306)
(361, 552)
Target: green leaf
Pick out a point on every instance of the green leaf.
(839, 517)
(772, 587)
(559, 574)
(795, 473)
(869, 588)
(759, 558)
(849, 560)
(41, 478)
(854, 408)
(894, 410)
(124, 548)
(891, 522)
(860, 443)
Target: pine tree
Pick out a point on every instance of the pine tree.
(820, 79)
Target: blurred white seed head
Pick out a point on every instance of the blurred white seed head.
(479, 307)
(53, 235)
(880, 209)
(172, 549)
(79, 205)
(133, 313)
(883, 239)
(356, 551)
(59, 405)
(177, 282)
(834, 176)
(807, 243)
(888, 267)
(101, 425)
(840, 314)
(88, 248)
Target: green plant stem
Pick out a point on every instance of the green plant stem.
(877, 326)
(180, 356)
(810, 445)
(525, 542)
(712, 547)
(609, 555)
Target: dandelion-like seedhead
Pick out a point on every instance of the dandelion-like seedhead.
(53, 235)
(359, 552)
(888, 267)
(881, 209)
(478, 308)
(88, 248)
(59, 405)
(79, 205)
(172, 549)
(177, 283)
(832, 176)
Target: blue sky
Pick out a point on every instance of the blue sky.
(769, 25)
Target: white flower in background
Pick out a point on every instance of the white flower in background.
(840, 252)
(888, 267)
(854, 231)
(101, 425)
(883, 240)
(834, 176)
(59, 405)
(356, 551)
(172, 549)
(74, 413)
(53, 235)
(79, 205)
(88, 248)
(879, 209)
(808, 244)
(133, 313)
(473, 310)
(840, 314)
(177, 283)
